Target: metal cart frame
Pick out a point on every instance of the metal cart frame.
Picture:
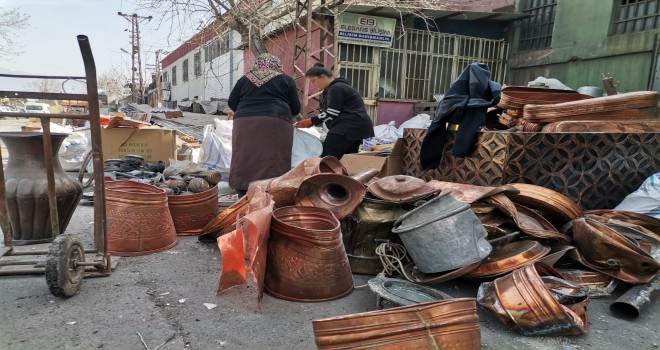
(65, 264)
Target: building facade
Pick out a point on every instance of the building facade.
(578, 42)
(204, 68)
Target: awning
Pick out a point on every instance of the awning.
(382, 11)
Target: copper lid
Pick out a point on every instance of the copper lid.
(509, 257)
(401, 189)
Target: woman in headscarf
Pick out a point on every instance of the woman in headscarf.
(264, 102)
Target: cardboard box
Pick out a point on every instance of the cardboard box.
(150, 143)
(390, 165)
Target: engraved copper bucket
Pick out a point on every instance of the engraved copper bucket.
(451, 324)
(191, 212)
(139, 220)
(306, 257)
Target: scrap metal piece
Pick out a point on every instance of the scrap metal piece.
(420, 277)
(596, 284)
(442, 235)
(450, 324)
(522, 301)
(338, 193)
(509, 257)
(605, 250)
(556, 207)
(637, 299)
(401, 189)
(400, 292)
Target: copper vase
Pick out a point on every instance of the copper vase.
(139, 220)
(26, 187)
(306, 257)
(191, 212)
(451, 325)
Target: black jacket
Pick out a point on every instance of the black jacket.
(465, 104)
(277, 98)
(343, 111)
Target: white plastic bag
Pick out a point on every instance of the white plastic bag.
(386, 133)
(216, 152)
(305, 146)
(420, 121)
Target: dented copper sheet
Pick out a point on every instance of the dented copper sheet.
(526, 219)
(599, 126)
(607, 251)
(306, 257)
(471, 193)
(509, 257)
(225, 222)
(596, 284)
(516, 97)
(284, 188)
(244, 249)
(648, 222)
(451, 325)
(338, 193)
(556, 207)
(401, 189)
(604, 106)
(522, 301)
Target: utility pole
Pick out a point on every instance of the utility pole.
(156, 67)
(135, 55)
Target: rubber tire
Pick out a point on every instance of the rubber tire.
(63, 281)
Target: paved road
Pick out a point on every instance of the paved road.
(144, 293)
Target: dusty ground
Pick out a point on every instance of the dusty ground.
(162, 296)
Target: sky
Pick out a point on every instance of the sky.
(50, 46)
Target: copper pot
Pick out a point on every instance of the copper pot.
(450, 324)
(192, 212)
(522, 301)
(306, 258)
(139, 220)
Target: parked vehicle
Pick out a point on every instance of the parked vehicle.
(35, 107)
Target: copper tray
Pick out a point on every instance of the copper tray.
(508, 258)
(419, 277)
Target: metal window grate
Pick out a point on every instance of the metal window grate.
(174, 75)
(184, 69)
(197, 62)
(419, 64)
(635, 16)
(536, 30)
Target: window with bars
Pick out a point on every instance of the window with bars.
(185, 70)
(197, 62)
(165, 79)
(174, 75)
(217, 48)
(536, 30)
(635, 16)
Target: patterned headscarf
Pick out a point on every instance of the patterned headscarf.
(265, 68)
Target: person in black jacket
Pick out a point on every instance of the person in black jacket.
(343, 112)
(264, 102)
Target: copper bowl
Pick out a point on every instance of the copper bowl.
(192, 212)
(450, 324)
(306, 257)
(138, 218)
(509, 257)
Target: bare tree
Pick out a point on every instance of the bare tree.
(11, 21)
(254, 20)
(44, 85)
(115, 82)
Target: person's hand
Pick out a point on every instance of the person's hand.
(305, 123)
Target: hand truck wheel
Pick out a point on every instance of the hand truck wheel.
(63, 274)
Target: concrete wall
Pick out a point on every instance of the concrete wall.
(583, 50)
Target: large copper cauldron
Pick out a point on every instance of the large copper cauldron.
(191, 212)
(448, 325)
(306, 258)
(139, 220)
